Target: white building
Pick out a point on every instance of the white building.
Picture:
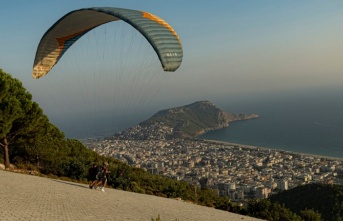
(282, 184)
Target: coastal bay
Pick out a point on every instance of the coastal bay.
(307, 138)
(226, 143)
(303, 121)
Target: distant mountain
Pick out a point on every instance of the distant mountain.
(187, 121)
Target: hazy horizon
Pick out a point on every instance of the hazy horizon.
(320, 102)
(239, 52)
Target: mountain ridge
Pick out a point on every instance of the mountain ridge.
(188, 121)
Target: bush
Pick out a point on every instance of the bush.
(310, 215)
(26, 166)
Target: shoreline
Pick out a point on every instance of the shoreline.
(266, 148)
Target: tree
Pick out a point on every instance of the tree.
(271, 211)
(19, 115)
(203, 182)
(325, 199)
(310, 215)
(38, 145)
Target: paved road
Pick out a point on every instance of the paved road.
(28, 197)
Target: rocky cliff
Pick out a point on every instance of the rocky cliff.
(191, 120)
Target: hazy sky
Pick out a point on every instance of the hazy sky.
(231, 48)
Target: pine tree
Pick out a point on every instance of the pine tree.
(19, 115)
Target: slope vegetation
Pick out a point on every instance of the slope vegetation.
(326, 199)
(194, 119)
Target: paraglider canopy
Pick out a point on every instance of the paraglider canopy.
(67, 30)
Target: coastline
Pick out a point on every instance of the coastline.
(274, 149)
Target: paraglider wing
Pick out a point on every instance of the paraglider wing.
(67, 30)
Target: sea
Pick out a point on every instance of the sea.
(304, 121)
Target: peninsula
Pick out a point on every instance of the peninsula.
(187, 121)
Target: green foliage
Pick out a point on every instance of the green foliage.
(224, 203)
(22, 121)
(188, 120)
(15, 102)
(36, 144)
(310, 215)
(265, 209)
(324, 198)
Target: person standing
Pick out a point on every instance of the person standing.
(92, 173)
(102, 176)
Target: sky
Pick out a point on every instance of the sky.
(232, 48)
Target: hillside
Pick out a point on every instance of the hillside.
(326, 199)
(60, 200)
(38, 147)
(186, 121)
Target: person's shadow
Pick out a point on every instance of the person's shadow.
(73, 184)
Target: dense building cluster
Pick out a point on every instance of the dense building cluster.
(157, 131)
(233, 170)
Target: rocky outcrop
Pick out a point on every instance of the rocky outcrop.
(186, 121)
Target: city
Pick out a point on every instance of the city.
(234, 170)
